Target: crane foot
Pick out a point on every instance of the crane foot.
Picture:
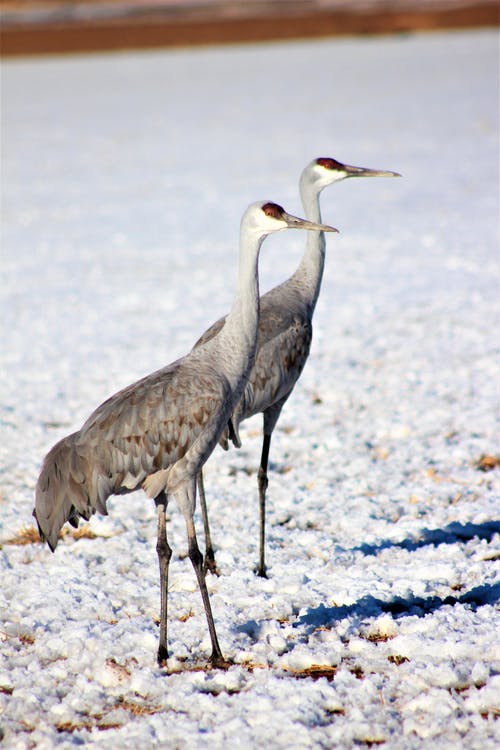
(162, 656)
(218, 662)
(261, 571)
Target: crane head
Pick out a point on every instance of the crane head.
(324, 171)
(265, 217)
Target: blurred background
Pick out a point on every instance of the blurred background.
(57, 26)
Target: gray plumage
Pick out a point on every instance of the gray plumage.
(157, 433)
(283, 344)
(151, 434)
(284, 336)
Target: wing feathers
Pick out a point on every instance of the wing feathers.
(139, 433)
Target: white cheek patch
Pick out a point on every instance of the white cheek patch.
(329, 176)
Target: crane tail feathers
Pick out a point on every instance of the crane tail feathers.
(62, 491)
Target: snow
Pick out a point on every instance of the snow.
(124, 178)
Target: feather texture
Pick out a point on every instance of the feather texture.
(139, 432)
(283, 344)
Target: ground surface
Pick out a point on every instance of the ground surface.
(124, 180)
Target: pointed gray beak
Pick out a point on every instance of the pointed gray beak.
(293, 222)
(363, 172)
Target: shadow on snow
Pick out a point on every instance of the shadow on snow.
(417, 606)
(454, 532)
(370, 606)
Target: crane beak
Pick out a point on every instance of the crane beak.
(293, 222)
(363, 172)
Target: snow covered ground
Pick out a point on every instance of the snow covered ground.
(124, 178)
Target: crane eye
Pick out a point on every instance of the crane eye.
(328, 163)
(273, 210)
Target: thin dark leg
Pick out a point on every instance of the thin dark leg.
(164, 555)
(263, 482)
(197, 559)
(209, 563)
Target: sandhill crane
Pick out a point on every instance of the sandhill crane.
(157, 433)
(284, 337)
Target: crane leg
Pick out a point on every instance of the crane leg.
(209, 563)
(164, 554)
(262, 483)
(197, 559)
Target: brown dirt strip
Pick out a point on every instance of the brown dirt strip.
(146, 31)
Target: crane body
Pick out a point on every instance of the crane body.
(157, 433)
(284, 338)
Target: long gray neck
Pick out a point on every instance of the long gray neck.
(309, 273)
(237, 340)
